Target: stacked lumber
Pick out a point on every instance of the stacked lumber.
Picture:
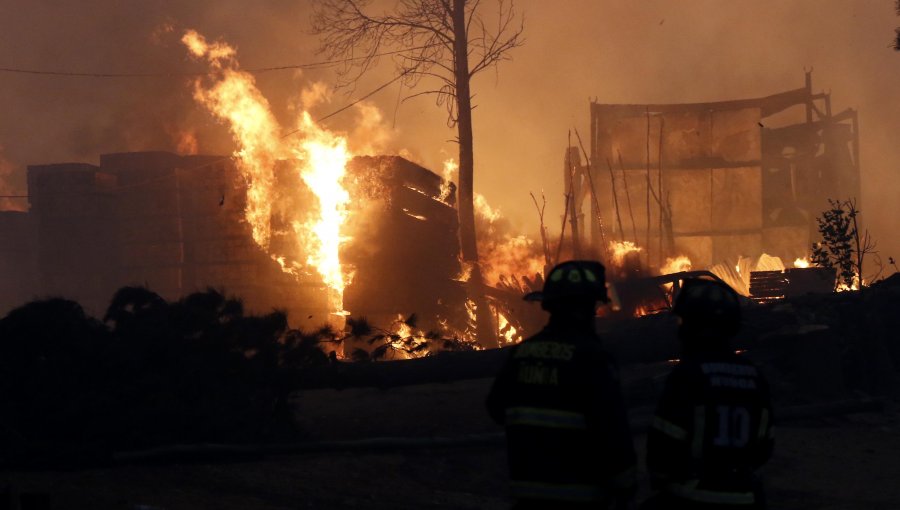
(768, 286)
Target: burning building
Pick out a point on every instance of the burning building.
(178, 224)
(712, 181)
(299, 218)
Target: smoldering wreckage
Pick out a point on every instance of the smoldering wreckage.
(724, 190)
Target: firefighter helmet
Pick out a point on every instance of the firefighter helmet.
(573, 280)
(708, 301)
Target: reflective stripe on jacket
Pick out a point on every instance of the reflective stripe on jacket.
(559, 398)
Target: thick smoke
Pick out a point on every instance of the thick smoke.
(616, 52)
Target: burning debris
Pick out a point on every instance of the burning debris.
(707, 182)
(691, 189)
(294, 221)
(348, 195)
(317, 156)
(676, 187)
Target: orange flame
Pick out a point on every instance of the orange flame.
(622, 248)
(801, 263)
(319, 157)
(413, 338)
(233, 97)
(324, 158)
(483, 209)
(508, 333)
(512, 256)
(843, 287)
(451, 167)
(678, 264)
(500, 250)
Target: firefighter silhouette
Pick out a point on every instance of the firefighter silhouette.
(713, 425)
(559, 398)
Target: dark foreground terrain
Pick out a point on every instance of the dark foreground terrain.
(415, 434)
(835, 462)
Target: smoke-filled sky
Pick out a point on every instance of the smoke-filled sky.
(617, 51)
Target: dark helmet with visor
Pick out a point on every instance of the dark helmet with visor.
(573, 280)
(708, 302)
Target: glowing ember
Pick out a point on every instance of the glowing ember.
(801, 263)
(319, 158)
(678, 264)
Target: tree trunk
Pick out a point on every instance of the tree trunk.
(484, 329)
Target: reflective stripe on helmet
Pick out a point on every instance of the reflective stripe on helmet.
(578, 279)
(539, 417)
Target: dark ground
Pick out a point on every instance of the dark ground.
(835, 463)
(814, 350)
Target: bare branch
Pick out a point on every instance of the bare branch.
(494, 45)
(423, 32)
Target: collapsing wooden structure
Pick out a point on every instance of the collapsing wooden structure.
(176, 224)
(713, 181)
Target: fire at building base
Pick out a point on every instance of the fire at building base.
(177, 224)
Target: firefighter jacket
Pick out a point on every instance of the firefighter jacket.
(713, 427)
(568, 439)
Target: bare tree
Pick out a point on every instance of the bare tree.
(897, 30)
(443, 44)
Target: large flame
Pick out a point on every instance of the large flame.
(502, 253)
(232, 96)
(324, 158)
(318, 156)
(511, 256)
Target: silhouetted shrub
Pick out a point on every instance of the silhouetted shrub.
(54, 372)
(197, 370)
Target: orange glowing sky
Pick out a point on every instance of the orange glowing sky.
(644, 51)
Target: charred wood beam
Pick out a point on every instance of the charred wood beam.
(700, 164)
(419, 204)
(768, 105)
